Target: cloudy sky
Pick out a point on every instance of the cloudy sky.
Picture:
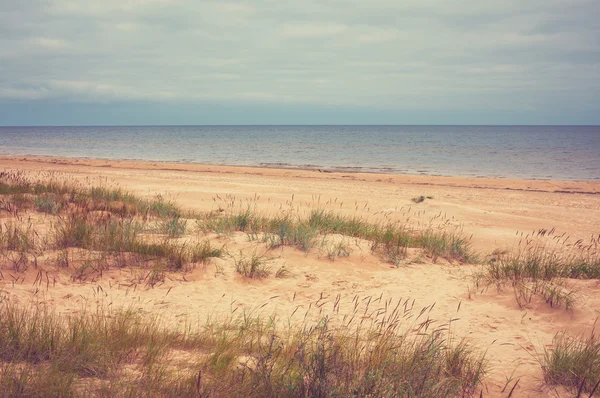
(299, 62)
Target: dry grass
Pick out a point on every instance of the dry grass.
(111, 222)
(542, 265)
(121, 353)
(110, 353)
(50, 194)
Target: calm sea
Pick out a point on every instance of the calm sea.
(531, 152)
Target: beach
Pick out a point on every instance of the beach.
(496, 214)
(492, 209)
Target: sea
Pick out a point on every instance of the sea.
(524, 152)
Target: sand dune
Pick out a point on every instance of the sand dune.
(493, 211)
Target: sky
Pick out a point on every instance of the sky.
(143, 62)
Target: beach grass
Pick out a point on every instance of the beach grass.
(573, 362)
(120, 229)
(253, 265)
(390, 240)
(49, 192)
(89, 230)
(119, 352)
(541, 266)
(110, 352)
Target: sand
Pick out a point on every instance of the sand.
(493, 211)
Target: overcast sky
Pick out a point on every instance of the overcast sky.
(299, 62)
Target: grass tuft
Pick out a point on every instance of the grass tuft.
(541, 266)
(203, 251)
(573, 362)
(49, 203)
(252, 266)
(173, 227)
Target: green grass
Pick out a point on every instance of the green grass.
(334, 249)
(173, 227)
(86, 344)
(391, 243)
(111, 221)
(49, 203)
(446, 242)
(17, 182)
(203, 251)
(389, 240)
(17, 237)
(74, 230)
(284, 231)
(122, 237)
(542, 259)
(283, 272)
(253, 266)
(332, 223)
(573, 362)
(19, 245)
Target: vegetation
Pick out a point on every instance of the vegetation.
(253, 266)
(541, 265)
(86, 230)
(173, 227)
(573, 362)
(546, 256)
(390, 240)
(121, 353)
(110, 224)
(50, 194)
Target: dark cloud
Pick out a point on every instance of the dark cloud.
(351, 54)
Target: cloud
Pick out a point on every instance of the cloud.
(312, 30)
(376, 35)
(384, 54)
(24, 93)
(49, 43)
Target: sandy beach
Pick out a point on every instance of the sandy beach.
(493, 210)
(494, 213)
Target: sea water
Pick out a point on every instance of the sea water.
(528, 152)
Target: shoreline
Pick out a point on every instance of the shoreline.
(496, 183)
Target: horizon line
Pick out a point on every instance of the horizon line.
(303, 125)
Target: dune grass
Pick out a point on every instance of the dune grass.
(76, 205)
(550, 257)
(173, 227)
(50, 194)
(252, 266)
(542, 265)
(18, 237)
(97, 219)
(122, 353)
(124, 236)
(573, 362)
(112, 353)
(390, 240)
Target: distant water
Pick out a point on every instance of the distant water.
(529, 152)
